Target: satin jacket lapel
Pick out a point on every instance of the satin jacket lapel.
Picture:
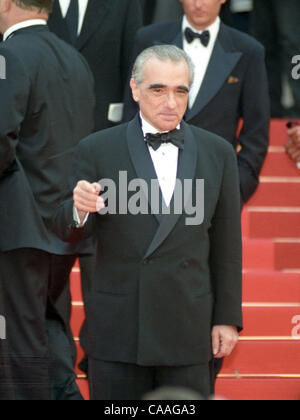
(141, 160)
(186, 170)
(219, 69)
(95, 14)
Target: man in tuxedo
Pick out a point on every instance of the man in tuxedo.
(103, 32)
(230, 82)
(166, 293)
(46, 107)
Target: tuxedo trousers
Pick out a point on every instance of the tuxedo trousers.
(122, 381)
(24, 276)
(37, 349)
(6, 390)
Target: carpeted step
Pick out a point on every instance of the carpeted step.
(280, 192)
(259, 388)
(270, 286)
(272, 222)
(278, 163)
(264, 357)
(258, 254)
(287, 253)
(273, 319)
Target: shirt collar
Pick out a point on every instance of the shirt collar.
(214, 28)
(148, 128)
(22, 25)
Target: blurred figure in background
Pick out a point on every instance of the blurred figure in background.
(103, 32)
(237, 13)
(156, 11)
(276, 26)
(293, 145)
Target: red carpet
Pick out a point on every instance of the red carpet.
(266, 362)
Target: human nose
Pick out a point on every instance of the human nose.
(171, 101)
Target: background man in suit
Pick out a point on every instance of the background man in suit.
(275, 24)
(165, 295)
(103, 32)
(230, 82)
(155, 11)
(46, 107)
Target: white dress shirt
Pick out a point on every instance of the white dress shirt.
(22, 25)
(83, 4)
(165, 161)
(200, 55)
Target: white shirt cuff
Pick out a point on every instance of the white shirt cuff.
(76, 218)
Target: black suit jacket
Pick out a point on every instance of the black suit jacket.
(160, 285)
(235, 87)
(106, 41)
(46, 108)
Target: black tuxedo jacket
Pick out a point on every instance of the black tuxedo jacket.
(235, 87)
(160, 285)
(106, 41)
(46, 108)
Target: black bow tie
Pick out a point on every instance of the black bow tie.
(175, 137)
(191, 35)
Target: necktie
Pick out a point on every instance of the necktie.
(191, 35)
(175, 137)
(72, 18)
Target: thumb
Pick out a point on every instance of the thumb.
(216, 343)
(97, 187)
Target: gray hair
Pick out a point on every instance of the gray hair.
(162, 53)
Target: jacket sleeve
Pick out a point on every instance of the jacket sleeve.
(14, 94)
(226, 249)
(63, 220)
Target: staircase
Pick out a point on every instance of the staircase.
(266, 362)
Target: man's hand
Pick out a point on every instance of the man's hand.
(293, 145)
(224, 340)
(86, 199)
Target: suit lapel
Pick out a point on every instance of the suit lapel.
(219, 69)
(186, 170)
(95, 13)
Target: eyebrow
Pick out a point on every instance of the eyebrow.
(161, 86)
